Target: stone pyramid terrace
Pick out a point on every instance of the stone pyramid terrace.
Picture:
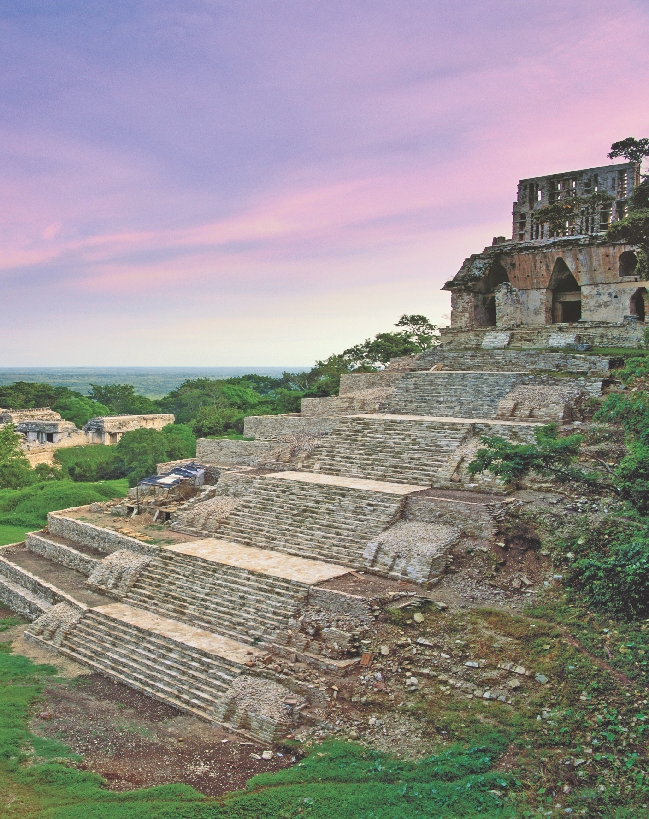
(299, 537)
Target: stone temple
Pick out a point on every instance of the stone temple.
(256, 605)
(573, 279)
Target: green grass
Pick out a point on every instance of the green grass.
(26, 509)
(13, 534)
(337, 780)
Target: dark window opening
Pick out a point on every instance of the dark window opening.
(566, 294)
(628, 263)
(638, 306)
(570, 311)
(490, 311)
(49, 437)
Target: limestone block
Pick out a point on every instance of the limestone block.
(56, 623)
(117, 573)
(495, 340)
(261, 707)
(412, 550)
(542, 403)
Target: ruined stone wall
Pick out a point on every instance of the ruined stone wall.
(104, 540)
(598, 334)
(526, 298)
(355, 382)
(268, 427)
(223, 452)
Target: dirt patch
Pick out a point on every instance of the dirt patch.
(367, 585)
(66, 668)
(134, 741)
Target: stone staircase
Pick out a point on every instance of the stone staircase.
(390, 448)
(244, 605)
(177, 664)
(66, 552)
(316, 516)
(193, 617)
(445, 394)
(512, 360)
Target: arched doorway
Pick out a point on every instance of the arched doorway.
(566, 294)
(638, 304)
(485, 304)
(628, 263)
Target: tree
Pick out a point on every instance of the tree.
(549, 456)
(15, 471)
(633, 150)
(140, 451)
(121, 399)
(372, 354)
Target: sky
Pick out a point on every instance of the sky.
(267, 182)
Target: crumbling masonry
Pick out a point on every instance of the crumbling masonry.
(270, 578)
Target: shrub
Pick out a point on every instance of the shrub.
(138, 452)
(28, 507)
(90, 463)
(617, 581)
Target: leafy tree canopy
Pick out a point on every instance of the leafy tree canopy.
(121, 399)
(633, 150)
(72, 405)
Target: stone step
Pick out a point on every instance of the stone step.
(20, 599)
(460, 394)
(176, 676)
(392, 449)
(508, 360)
(64, 524)
(46, 578)
(75, 556)
(316, 515)
(235, 601)
(185, 666)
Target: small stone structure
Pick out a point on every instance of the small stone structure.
(60, 433)
(110, 428)
(11, 416)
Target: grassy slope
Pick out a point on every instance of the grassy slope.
(38, 778)
(580, 741)
(26, 509)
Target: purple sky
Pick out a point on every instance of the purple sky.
(265, 182)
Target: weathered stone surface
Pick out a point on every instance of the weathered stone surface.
(117, 573)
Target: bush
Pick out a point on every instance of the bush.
(90, 463)
(216, 420)
(28, 507)
(138, 452)
(618, 581)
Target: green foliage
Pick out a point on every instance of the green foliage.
(336, 780)
(71, 405)
(138, 452)
(89, 463)
(28, 507)
(121, 399)
(633, 150)
(217, 421)
(550, 456)
(418, 334)
(15, 470)
(633, 230)
(564, 215)
(618, 580)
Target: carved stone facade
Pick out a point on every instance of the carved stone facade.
(539, 277)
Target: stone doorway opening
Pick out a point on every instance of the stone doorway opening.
(566, 295)
(639, 303)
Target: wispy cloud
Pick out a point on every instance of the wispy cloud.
(167, 163)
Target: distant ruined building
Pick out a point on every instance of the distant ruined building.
(557, 273)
